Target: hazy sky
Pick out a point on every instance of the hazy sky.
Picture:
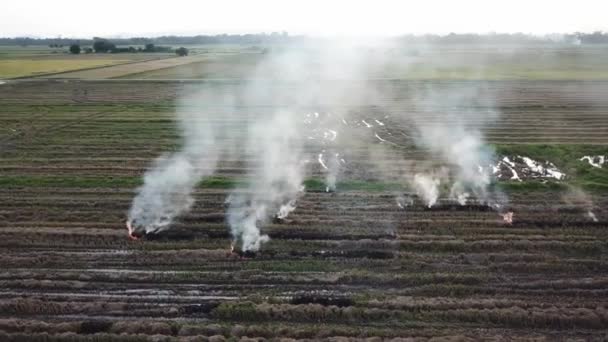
(87, 18)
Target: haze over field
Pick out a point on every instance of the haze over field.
(334, 171)
(72, 18)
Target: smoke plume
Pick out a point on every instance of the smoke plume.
(275, 184)
(327, 103)
(170, 181)
(577, 197)
(427, 187)
(447, 125)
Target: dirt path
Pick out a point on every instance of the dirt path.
(130, 68)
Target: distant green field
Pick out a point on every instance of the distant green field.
(233, 61)
(30, 67)
(409, 63)
(26, 51)
(18, 61)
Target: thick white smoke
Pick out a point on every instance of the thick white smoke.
(276, 182)
(449, 124)
(332, 172)
(170, 181)
(350, 82)
(166, 193)
(427, 188)
(463, 150)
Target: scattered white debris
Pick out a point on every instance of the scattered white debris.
(330, 134)
(366, 124)
(378, 122)
(320, 159)
(344, 122)
(549, 171)
(521, 167)
(556, 174)
(377, 136)
(595, 161)
(506, 160)
(515, 175)
(509, 165)
(316, 115)
(533, 165)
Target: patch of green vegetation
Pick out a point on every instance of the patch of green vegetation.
(293, 266)
(562, 154)
(319, 185)
(312, 184)
(220, 182)
(29, 67)
(67, 181)
(529, 186)
(567, 158)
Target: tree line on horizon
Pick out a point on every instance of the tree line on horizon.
(101, 45)
(598, 37)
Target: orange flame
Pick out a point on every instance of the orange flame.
(130, 229)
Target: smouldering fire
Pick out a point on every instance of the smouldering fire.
(130, 229)
(240, 254)
(507, 217)
(591, 216)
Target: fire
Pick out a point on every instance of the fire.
(507, 217)
(234, 253)
(130, 229)
(592, 216)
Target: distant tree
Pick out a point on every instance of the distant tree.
(103, 45)
(88, 50)
(149, 47)
(597, 37)
(75, 49)
(182, 51)
(122, 49)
